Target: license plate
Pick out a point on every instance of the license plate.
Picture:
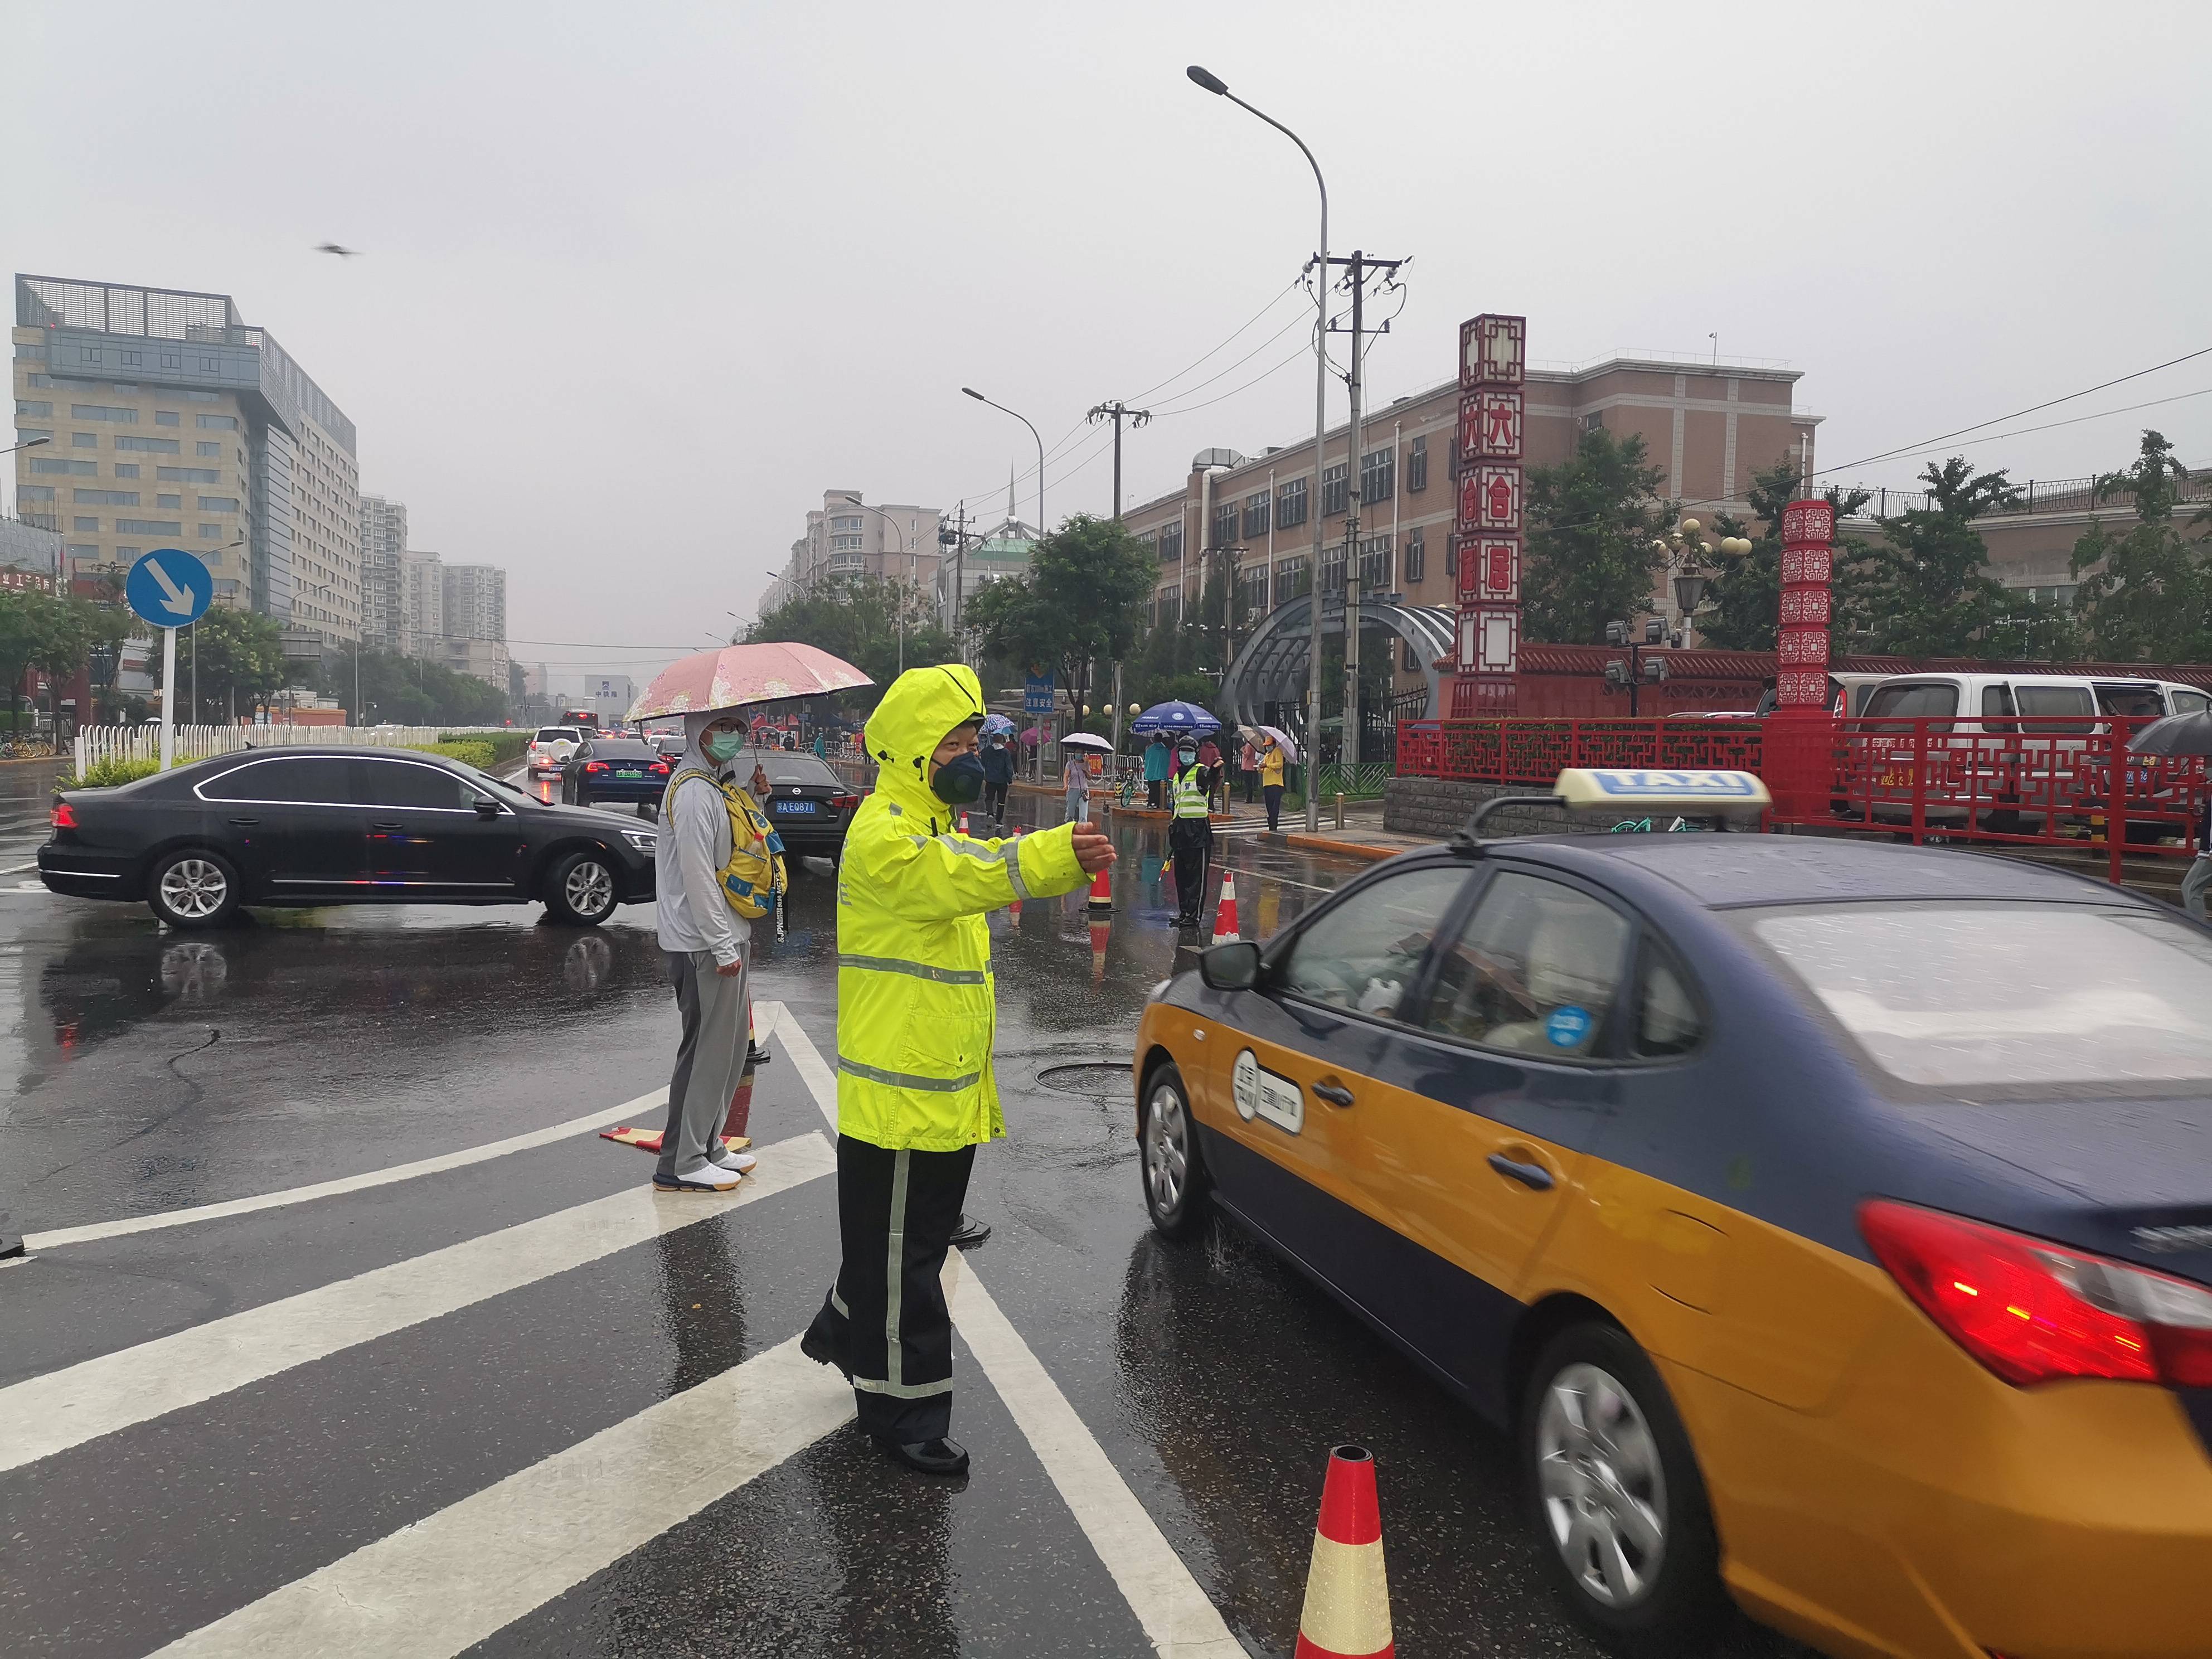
(629, 774)
(800, 806)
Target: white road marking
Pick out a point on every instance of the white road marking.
(51, 1413)
(18, 869)
(440, 1586)
(607, 1118)
(1151, 1577)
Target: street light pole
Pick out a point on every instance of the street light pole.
(1028, 422)
(1213, 83)
(910, 577)
(30, 443)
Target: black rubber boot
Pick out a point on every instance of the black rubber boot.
(938, 1456)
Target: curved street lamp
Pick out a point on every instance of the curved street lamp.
(1028, 422)
(1213, 83)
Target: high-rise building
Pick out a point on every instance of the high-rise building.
(422, 603)
(171, 422)
(475, 640)
(847, 537)
(383, 543)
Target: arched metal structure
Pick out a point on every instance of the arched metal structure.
(1272, 666)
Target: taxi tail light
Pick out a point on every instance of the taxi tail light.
(2037, 1312)
(64, 816)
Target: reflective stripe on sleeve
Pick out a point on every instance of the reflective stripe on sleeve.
(943, 1085)
(919, 969)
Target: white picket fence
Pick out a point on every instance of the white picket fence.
(94, 744)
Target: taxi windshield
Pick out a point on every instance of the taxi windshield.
(2046, 999)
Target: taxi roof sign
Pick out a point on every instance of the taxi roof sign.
(1581, 788)
(1712, 794)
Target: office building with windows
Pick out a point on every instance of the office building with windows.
(383, 544)
(454, 615)
(173, 424)
(1707, 426)
(422, 603)
(848, 537)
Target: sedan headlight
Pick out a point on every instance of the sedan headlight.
(643, 840)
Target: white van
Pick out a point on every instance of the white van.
(2009, 767)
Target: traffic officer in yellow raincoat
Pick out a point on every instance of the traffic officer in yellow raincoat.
(915, 1020)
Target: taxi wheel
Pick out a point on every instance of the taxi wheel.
(1618, 1506)
(1172, 1168)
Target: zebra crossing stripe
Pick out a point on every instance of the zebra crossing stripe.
(67, 1408)
(438, 1587)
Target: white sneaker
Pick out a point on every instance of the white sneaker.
(735, 1163)
(706, 1178)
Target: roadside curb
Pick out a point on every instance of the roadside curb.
(1350, 849)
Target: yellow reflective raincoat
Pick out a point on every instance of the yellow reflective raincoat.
(916, 1008)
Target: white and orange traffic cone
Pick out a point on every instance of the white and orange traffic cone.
(963, 822)
(1347, 1610)
(1224, 913)
(1100, 933)
(1102, 889)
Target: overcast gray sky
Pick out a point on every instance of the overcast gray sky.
(640, 282)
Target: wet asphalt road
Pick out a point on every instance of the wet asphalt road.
(151, 1072)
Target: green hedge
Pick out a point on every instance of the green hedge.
(467, 751)
(505, 747)
(105, 774)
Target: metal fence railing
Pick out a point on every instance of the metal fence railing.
(95, 743)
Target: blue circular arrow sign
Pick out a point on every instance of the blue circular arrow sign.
(169, 587)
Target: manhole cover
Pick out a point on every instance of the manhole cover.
(1089, 1078)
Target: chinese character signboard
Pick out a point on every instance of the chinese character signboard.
(1493, 370)
(1798, 760)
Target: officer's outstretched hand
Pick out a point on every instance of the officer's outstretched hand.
(1093, 851)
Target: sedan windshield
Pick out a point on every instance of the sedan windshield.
(2042, 998)
(786, 766)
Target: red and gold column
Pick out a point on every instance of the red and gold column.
(1800, 736)
(1492, 378)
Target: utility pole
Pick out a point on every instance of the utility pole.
(1117, 412)
(1357, 266)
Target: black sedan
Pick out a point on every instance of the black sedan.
(629, 771)
(811, 806)
(302, 826)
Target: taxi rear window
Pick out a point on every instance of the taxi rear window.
(2062, 999)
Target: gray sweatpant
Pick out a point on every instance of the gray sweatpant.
(710, 1060)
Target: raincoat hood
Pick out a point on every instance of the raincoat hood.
(694, 727)
(922, 706)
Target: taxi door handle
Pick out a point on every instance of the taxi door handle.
(1528, 1175)
(1333, 1094)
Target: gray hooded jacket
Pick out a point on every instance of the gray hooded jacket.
(694, 844)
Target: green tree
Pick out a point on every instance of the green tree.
(239, 654)
(1592, 520)
(2151, 597)
(411, 691)
(1743, 602)
(1922, 590)
(1080, 603)
(26, 619)
(74, 628)
(858, 618)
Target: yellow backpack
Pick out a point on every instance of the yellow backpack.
(754, 878)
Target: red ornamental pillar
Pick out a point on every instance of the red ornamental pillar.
(1493, 373)
(1801, 735)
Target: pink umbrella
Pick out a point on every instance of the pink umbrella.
(736, 674)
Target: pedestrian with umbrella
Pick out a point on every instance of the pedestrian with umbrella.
(998, 774)
(717, 869)
(2186, 734)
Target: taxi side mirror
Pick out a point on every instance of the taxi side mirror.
(1232, 965)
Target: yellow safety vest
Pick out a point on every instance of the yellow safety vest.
(917, 1004)
(1190, 793)
(754, 878)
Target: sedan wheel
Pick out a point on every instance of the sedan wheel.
(1172, 1168)
(1616, 1495)
(1604, 1493)
(582, 890)
(193, 888)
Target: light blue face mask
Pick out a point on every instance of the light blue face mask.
(721, 747)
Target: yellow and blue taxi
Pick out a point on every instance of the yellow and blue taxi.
(1830, 1223)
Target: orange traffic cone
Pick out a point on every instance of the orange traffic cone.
(1224, 913)
(964, 822)
(1102, 889)
(1347, 1610)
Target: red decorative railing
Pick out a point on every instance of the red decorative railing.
(1534, 751)
(2019, 781)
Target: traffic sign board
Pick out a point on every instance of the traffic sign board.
(169, 588)
(1037, 695)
